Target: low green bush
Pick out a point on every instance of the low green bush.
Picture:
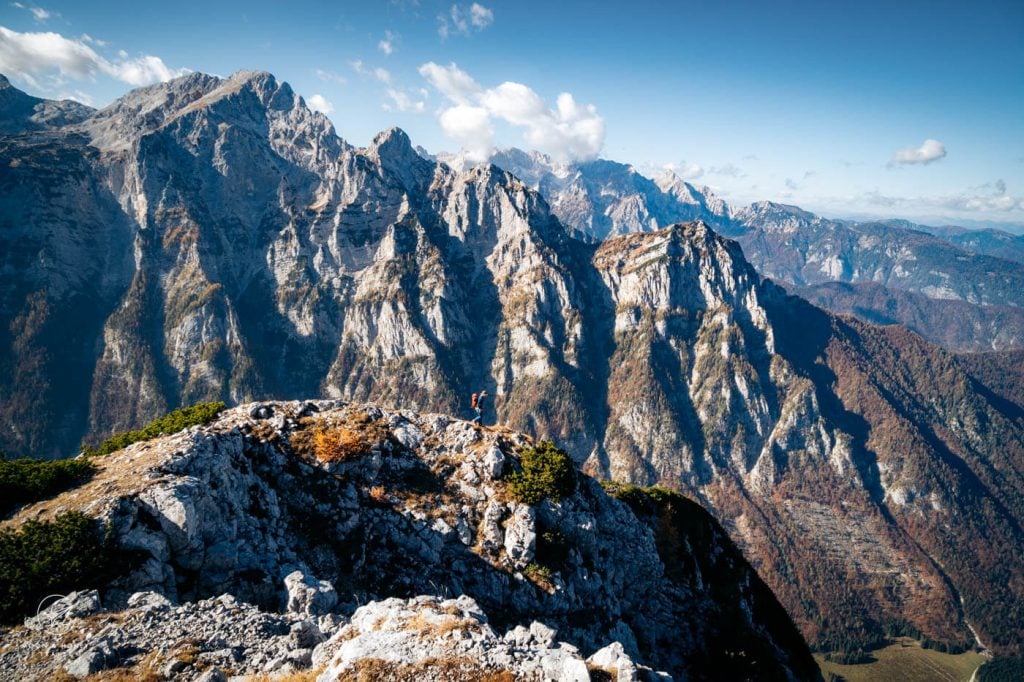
(552, 549)
(72, 552)
(23, 481)
(182, 418)
(547, 472)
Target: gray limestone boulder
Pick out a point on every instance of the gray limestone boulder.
(309, 596)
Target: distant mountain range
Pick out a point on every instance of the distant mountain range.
(213, 238)
(900, 272)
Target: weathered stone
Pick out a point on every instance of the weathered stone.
(99, 656)
(309, 596)
(73, 605)
(521, 535)
(148, 601)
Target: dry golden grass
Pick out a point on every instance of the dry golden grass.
(423, 626)
(297, 676)
(907, 660)
(464, 670)
(338, 444)
(146, 670)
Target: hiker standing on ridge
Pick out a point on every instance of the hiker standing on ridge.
(477, 403)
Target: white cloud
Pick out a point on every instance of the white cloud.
(330, 77)
(32, 54)
(38, 13)
(877, 198)
(514, 102)
(78, 96)
(684, 170)
(791, 184)
(463, 19)
(143, 70)
(983, 203)
(929, 152)
(480, 16)
(730, 169)
(401, 101)
(569, 131)
(996, 200)
(969, 201)
(320, 103)
(86, 38)
(451, 81)
(383, 75)
(28, 55)
(471, 126)
(387, 43)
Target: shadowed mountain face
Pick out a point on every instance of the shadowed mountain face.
(214, 239)
(20, 112)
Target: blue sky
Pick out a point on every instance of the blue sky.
(910, 109)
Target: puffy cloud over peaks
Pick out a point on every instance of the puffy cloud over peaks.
(30, 55)
(569, 131)
(471, 127)
(320, 103)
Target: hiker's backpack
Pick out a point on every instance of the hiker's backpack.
(475, 402)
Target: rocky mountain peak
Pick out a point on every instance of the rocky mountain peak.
(21, 112)
(393, 150)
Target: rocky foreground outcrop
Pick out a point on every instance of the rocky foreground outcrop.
(351, 539)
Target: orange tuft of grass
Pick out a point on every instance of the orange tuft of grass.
(338, 444)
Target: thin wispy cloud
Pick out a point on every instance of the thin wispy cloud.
(684, 170)
(378, 73)
(86, 38)
(930, 151)
(463, 19)
(28, 56)
(973, 200)
(403, 101)
(387, 43)
(38, 13)
(568, 131)
(730, 169)
(330, 77)
(876, 198)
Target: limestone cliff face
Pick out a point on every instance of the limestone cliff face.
(215, 239)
